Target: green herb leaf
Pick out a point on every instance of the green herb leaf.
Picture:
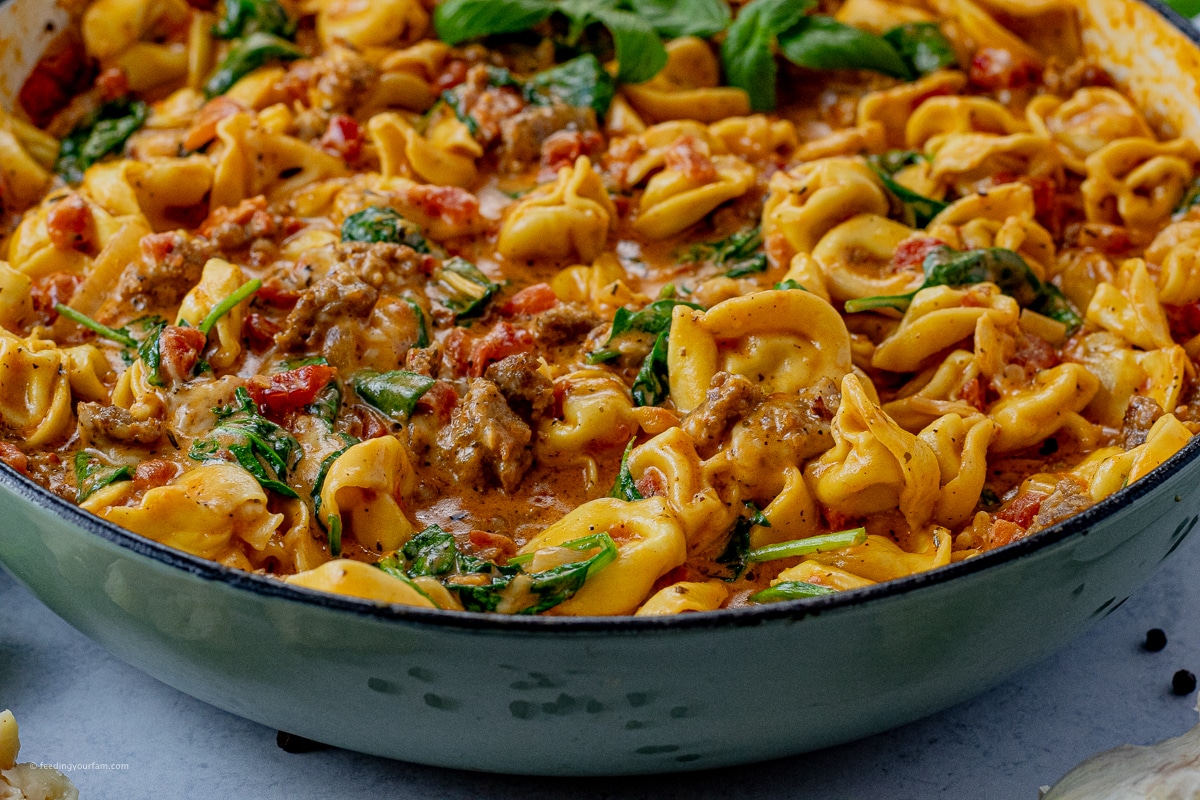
(651, 386)
(653, 318)
(104, 132)
(672, 18)
(431, 552)
(247, 55)
(262, 448)
(737, 255)
(244, 17)
(789, 590)
(459, 20)
(923, 46)
(469, 289)
(383, 224)
(582, 82)
(625, 489)
(228, 304)
(813, 544)
(92, 475)
(422, 326)
(149, 350)
(602, 356)
(394, 393)
(748, 52)
(393, 566)
(790, 283)
(945, 266)
(118, 335)
(640, 52)
(820, 42)
(919, 210)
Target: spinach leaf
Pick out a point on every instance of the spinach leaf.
(945, 266)
(228, 304)
(394, 393)
(244, 17)
(470, 290)
(820, 42)
(262, 448)
(919, 210)
(672, 18)
(653, 318)
(435, 552)
(748, 52)
(581, 82)
(457, 21)
(149, 350)
(247, 55)
(650, 386)
(625, 488)
(383, 224)
(738, 255)
(118, 335)
(326, 405)
(92, 475)
(104, 132)
(332, 524)
(558, 584)
(790, 283)
(789, 590)
(922, 46)
(393, 566)
(733, 557)
(422, 325)
(813, 544)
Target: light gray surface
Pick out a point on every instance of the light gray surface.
(78, 704)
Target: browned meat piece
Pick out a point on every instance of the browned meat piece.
(247, 224)
(565, 323)
(1140, 417)
(349, 290)
(114, 424)
(170, 265)
(340, 80)
(523, 135)
(1069, 497)
(798, 422)
(423, 361)
(522, 383)
(728, 400)
(485, 441)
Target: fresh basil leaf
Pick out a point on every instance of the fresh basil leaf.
(582, 82)
(247, 55)
(651, 386)
(262, 448)
(820, 42)
(625, 488)
(244, 17)
(748, 52)
(922, 46)
(459, 20)
(92, 475)
(789, 590)
(383, 224)
(104, 132)
(394, 393)
(671, 18)
(469, 289)
(640, 52)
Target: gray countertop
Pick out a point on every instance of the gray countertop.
(77, 704)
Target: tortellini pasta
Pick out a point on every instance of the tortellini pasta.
(363, 491)
(1138, 182)
(445, 155)
(688, 87)
(569, 218)
(255, 162)
(218, 280)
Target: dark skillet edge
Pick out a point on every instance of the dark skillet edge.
(25, 488)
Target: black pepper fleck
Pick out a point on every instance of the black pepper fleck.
(1184, 683)
(1156, 640)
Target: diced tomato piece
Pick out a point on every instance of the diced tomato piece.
(259, 331)
(154, 472)
(71, 225)
(562, 148)
(1035, 354)
(371, 424)
(343, 137)
(910, 254)
(113, 83)
(49, 290)
(531, 300)
(491, 546)
(179, 351)
(456, 206)
(55, 79)
(204, 129)
(1003, 532)
(994, 68)
(975, 393)
(652, 483)
(11, 454)
(457, 349)
(440, 399)
(1022, 509)
(290, 390)
(501, 342)
(241, 214)
(687, 158)
(454, 73)
(278, 296)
